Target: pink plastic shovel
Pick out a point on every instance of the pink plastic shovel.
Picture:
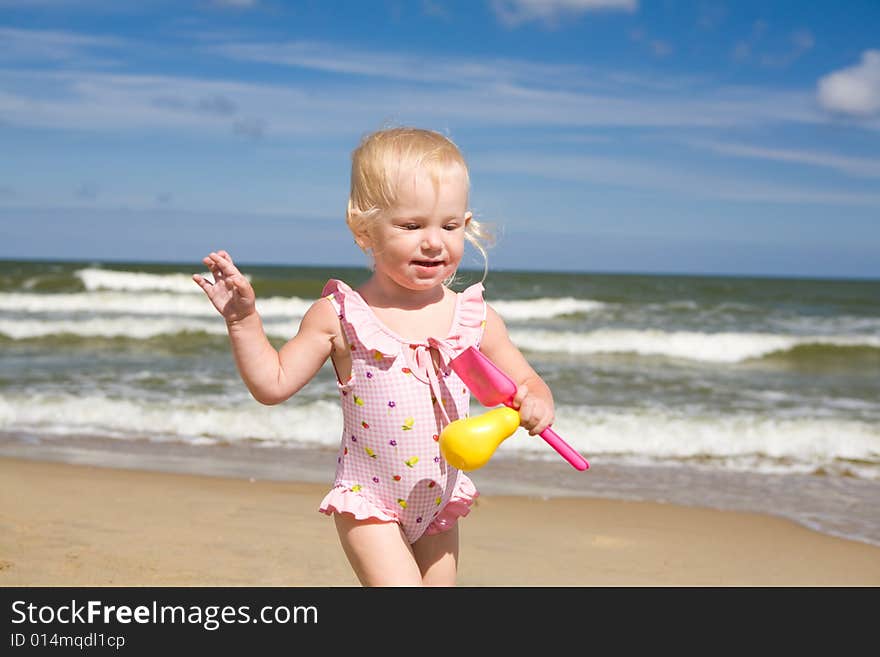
(492, 387)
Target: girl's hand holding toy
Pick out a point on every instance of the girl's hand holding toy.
(469, 443)
(535, 414)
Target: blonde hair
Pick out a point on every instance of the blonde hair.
(376, 166)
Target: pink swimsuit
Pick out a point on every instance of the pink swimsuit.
(394, 406)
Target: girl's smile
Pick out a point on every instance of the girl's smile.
(427, 264)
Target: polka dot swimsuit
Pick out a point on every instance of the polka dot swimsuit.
(394, 406)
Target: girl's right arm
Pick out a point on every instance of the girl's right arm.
(271, 377)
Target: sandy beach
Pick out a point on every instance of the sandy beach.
(76, 525)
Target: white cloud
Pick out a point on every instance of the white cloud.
(109, 102)
(236, 4)
(331, 58)
(511, 91)
(502, 93)
(803, 40)
(645, 174)
(516, 12)
(252, 128)
(854, 90)
(800, 42)
(775, 53)
(571, 94)
(389, 87)
(448, 69)
(42, 45)
(659, 47)
(856, 166)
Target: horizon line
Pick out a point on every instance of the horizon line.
(505, 270)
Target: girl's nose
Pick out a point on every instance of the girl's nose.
(432, 238)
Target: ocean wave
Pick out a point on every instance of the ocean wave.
(281, 323)
(733, 441)
(690, 345)
(544, 308)
(151, 304)
(133, 281)
(134, 328)
(184, 421)
(176, 302)
(836, 324)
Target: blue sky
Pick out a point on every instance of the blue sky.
(602, 135)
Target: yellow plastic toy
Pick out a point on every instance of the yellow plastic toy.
(469, 443)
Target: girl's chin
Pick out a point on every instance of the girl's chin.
(417, 277)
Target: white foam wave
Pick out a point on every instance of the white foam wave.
(743, 441)
(282, 317)
(117, 298)
(152, 304)
(318, 422)
(709, 347)
(756, 442)
(838, 324)
(138, 328)
(544, 308)
(133, 281)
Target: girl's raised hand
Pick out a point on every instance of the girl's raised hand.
(231, 293)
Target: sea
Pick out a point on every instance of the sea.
(735, 393)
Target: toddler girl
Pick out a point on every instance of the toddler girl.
(395, 500)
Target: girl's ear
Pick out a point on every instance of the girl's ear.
(467, 218)
(361, 233)
(362, 239)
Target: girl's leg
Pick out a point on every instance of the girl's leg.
(377, 551)
(437, 557)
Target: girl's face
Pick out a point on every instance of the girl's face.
(419, 242)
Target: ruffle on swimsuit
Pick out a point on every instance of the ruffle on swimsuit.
(362, 481)
(466, 328)
(342, 499)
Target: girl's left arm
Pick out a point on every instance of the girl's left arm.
(533, 399)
